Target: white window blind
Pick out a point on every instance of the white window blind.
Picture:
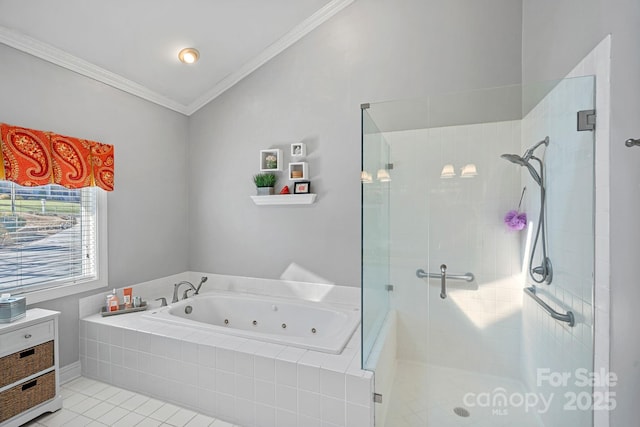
(47, 237)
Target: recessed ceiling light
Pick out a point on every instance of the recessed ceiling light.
(189, 55)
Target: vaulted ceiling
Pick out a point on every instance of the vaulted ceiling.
(133, 45)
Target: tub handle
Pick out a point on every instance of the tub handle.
(164, 301)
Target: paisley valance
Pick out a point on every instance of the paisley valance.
(32, 157)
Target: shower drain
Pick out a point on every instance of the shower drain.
(461, 412)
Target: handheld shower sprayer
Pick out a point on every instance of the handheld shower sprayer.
(202, 280)
(545, 269)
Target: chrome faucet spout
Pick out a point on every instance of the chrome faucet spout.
(177, 286)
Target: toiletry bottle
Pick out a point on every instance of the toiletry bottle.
(113, 301)
(127, 293)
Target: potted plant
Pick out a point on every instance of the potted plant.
(265, 183)
(271, 161)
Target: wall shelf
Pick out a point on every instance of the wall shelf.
(285, 199)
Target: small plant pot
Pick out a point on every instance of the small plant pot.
(265, 191)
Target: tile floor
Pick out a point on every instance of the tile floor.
(87, 402)
(425, 396)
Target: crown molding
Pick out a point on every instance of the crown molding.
(298, 32)
(59, 57)
(63, 59)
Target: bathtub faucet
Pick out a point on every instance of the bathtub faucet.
(177, 286)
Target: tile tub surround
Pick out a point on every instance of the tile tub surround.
(247, 382)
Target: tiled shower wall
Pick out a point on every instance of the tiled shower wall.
(549, 344)
(458, 222)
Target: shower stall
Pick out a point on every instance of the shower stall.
(478, 257)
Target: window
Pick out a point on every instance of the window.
(52, 240)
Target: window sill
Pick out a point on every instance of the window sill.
(43, 295)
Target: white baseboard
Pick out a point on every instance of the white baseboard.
(70, 372)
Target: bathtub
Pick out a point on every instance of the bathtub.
(297, 323)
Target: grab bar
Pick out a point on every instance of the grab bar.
(421, 274)
(569, 317)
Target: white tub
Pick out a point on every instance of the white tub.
(297, 323)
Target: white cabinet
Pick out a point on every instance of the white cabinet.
(29, 374)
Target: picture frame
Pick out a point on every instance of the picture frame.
(270, 160)
(302, 187)
(299, 149)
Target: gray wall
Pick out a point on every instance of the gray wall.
(148, 209)
(556, 35)
(373, 50)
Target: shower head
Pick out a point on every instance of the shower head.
(514, 158)
(524, 160)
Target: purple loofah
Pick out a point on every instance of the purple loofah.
(515, 220)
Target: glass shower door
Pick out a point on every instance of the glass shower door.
(375, 181)
(552, 348)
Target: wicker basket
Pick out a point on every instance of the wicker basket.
(26, 362)
(27, 395)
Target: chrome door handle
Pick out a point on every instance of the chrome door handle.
(443, 281)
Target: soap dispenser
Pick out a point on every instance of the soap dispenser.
(112, 302)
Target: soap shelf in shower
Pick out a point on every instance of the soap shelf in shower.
(285, 199)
